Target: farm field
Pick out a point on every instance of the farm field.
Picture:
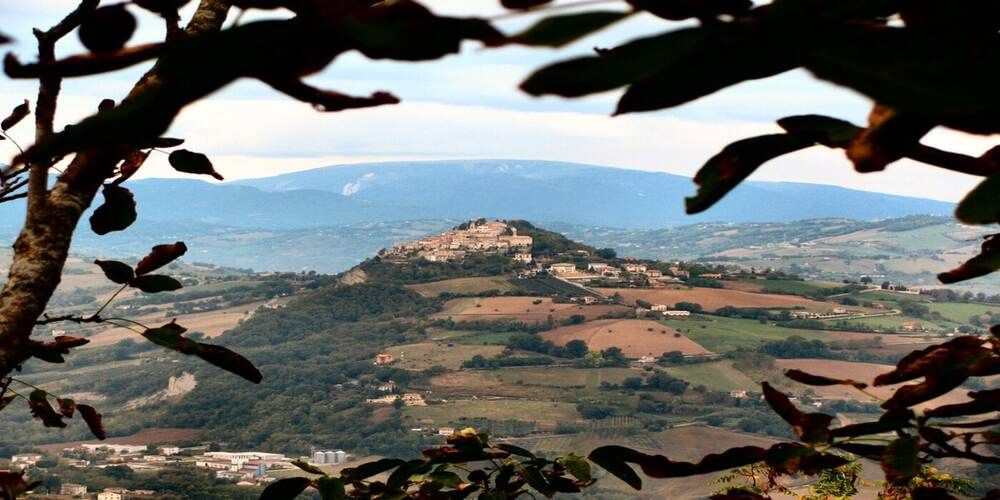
(635, 337)
(716, 376)
(427, 354)
(791, 287)
(211, 323)
(543, 412)
(713, 299)
(463, 286)
(590, 378)
(863, 372)
(893, 323)
(519, 308)
(721, 334)
(961, 312)
(543, 383)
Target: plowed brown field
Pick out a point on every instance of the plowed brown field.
(635, 337)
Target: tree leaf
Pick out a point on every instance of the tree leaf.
(901, 461)
(192, 163)
(536, 480)
(613, 68)
(736, 162)
(331, 488)
(825, 130)
(53, 351)
(170, 336)
(615, 460)
(982, 402)
(892, 66)
(391, 30)
(285, 489)
(308, 467)
(370, 469)
(16, 115)
(399, 477)
(160, 256)
(515, 450)
(130, 165)
(890, 135)
(155, 283)
(727, 55)
(117, 212)
(522, 4)
(576, 466)
(117, 272)
(980, 205)
(67, 407)
(809, 427)
(229, 361)
(107, 29)
(793, 458)
(985, 263)
(869, 451)
(679, 10)
(38, 403)
(810, 379)
(737, 494)
(557, 31)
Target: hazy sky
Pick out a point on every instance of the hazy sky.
(468, 106)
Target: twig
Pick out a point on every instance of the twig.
(107, 302)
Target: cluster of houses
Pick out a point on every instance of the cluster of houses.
(112, 493)
(244, 467)
(392, 395)
(605, 271)
(495, 237)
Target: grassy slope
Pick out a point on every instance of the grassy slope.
(719, 334)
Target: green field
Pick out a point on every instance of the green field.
(893, 323)
(961, 312)
(720, 334)
(716, 376)
(500, 409)
(565, 377)
(481, 338)
(464, 286)
(795, 287)
(427, 354)
(886, 296)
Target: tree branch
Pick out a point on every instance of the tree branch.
(48, 95)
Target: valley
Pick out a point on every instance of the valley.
(562, 350)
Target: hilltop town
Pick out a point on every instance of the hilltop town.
(480, 236)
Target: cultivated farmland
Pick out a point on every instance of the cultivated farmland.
(713, 299)
(520, 308)
(634, 337)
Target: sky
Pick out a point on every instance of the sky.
(468, 106)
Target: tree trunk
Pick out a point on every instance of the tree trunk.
(42, 247)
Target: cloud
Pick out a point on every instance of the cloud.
(353, 187)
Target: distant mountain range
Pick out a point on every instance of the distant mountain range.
(330, 217)
(574, 194)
